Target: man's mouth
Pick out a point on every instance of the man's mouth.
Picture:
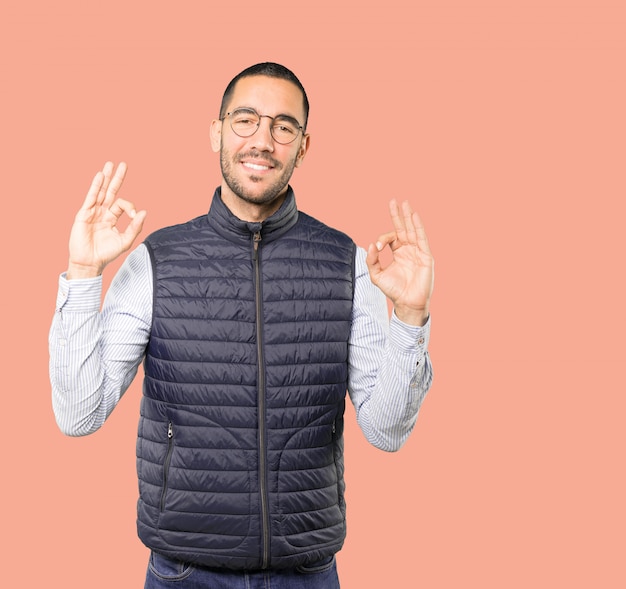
(256, 167)
(256, 162)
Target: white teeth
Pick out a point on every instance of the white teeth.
(255, 166)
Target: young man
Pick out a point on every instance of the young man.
(252, 321)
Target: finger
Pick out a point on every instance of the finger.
(407, 212)
(420, 232)
(372, 261)
(397, 220)
(107, 170)
(93, 191)
(385, 239)
(121, 206)
(134, 228)
(115, 184)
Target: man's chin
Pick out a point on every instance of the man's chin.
(263, 198)
(256, 190)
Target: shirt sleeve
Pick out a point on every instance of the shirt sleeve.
(389, 367)
(94, 355)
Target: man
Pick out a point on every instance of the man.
(252, 322)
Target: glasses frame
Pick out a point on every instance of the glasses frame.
(299, 126)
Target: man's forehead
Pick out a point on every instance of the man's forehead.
(279, 95)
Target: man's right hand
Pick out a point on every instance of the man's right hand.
(95, 240)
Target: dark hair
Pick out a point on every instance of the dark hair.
(272, 70)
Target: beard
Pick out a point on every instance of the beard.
(271, 192)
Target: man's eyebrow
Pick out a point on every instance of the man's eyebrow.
(281, 115)
(248, 108)
(289, 117)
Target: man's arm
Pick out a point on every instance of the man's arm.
(390, 371)
(94, 356)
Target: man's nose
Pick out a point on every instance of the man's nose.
(262, 139)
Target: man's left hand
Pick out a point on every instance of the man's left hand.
(408, 279)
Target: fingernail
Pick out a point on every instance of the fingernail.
(379, 246)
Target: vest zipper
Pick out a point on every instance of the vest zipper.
(166, 464)
(265, 521)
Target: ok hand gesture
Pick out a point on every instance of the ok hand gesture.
(408, 279)
(95, 239)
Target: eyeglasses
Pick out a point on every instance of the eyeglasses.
(245, 122)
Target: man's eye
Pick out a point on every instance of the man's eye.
(284, 128)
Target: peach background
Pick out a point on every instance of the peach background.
(503, 122)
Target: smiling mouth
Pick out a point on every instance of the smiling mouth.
(256, 167)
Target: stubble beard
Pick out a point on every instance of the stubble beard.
(271, 192)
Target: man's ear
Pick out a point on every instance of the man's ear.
(216, 134)
(304, 147)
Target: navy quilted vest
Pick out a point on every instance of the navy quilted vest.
(240, 447)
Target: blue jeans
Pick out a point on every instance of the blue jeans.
(164, 573)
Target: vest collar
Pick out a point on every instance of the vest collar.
(226, 224)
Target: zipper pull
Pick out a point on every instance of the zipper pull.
(170, 431)
(256, 239)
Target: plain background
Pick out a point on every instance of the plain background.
(502, 122)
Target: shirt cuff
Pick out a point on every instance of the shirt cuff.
(79, 295)
(409, 340)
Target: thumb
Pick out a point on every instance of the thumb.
(373, 262)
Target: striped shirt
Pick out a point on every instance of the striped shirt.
(95, 354)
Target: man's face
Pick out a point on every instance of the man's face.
(257, 169)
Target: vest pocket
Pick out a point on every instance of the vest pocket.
(338, 466)
(166, 463)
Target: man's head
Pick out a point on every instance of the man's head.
(260, 108)
(271, 70)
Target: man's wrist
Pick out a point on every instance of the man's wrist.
(79, 271)
(416, 317)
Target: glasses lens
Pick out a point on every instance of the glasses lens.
(285, 130)
(244, 122)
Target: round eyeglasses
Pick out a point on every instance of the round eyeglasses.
(245, 122)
